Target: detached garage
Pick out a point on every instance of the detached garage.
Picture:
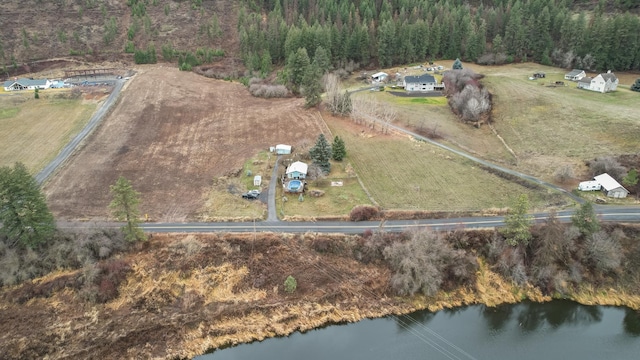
(611, 187)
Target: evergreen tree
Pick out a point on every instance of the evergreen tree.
(631, 179)
(338, 149)
(321, 153)
(312, 85)
(457, 65)
(24, 214)
(124, 207)
(297, 66)
(585, 219)
(636, 85)
(265, 63)
(322, 59)
(36, 93)
(518, 222)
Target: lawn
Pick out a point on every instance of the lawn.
(34, 131)
(402, 173)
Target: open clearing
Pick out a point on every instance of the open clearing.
(33, 131)
(402, 173)
(171, 134)
(547, 127)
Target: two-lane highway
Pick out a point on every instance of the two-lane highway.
(627, 214)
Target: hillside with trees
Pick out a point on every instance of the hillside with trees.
(594, 35)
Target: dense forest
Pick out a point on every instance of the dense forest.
(593, 35)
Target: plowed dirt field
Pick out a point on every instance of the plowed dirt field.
(171, 134)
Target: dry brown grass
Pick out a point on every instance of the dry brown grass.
(34, 131)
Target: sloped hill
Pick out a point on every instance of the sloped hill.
(100, 29)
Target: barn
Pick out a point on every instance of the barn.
(611, 187)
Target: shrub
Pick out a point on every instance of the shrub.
(425, 262)
(290, 284)
(607, 164)
(603, 251)
(364, 213)
(268, 91)
(563, 174)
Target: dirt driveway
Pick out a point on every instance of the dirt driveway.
(171, 134)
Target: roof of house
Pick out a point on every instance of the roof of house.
(283, 147)
(585, 79)
(425, 78)
(607, 182)
(297, 166)
(609, 77)
(26, 82)
(575, 72)
(379, 74)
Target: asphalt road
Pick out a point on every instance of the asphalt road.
(66, 152)
(619, 214)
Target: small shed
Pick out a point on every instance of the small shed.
(539, 75)
(282, 149)
(611, 187)
(257, 180)
(297, 170)
(379, 76)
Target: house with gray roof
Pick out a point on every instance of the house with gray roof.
(26, 84)
(603, 83)
(575, 75)
(423, 82)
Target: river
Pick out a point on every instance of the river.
(554, 330)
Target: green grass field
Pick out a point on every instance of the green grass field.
(34, 131)
(402, 173)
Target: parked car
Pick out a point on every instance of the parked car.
(251, 194)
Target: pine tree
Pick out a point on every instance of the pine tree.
(321, 153)
(321, 58)
(338, 149)
(585, 219)
(124, 207)
(457, 65)
(297, 64)
(636, 85)
(517, 223)
(312, 85)
(24, 214)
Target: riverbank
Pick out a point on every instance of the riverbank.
(182, 295)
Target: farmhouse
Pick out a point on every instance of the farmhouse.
(611, 187)
(603, 83)
(26, 84)
(379, 76)
(423, 82)
(575, 75)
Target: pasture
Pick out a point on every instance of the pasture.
(33, 131)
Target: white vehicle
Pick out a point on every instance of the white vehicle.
(589, 186)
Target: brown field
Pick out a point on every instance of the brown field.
(171, 134)
(34, 131)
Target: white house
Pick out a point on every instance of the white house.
(297, 170)
(379, 76)
(26, 84)
(423, 82)
(282, 149)
(611, 187)
(604, 83)
(575, 75)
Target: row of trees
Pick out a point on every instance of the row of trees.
(393, 32)
(322, 152)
